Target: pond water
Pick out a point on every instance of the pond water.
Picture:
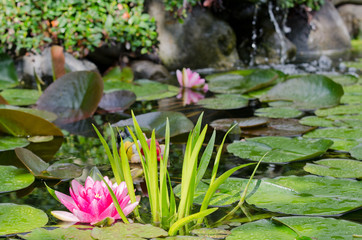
(288, 111)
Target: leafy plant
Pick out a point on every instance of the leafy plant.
(165, 212)
(78, 25)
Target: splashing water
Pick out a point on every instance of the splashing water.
(283, 49)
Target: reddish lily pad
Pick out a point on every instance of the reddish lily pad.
(74, 96)
(225, 123)
(19, 123)
(117, 101)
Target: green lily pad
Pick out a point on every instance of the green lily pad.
(144, 89)
(13, 179)
(242, 82)
(20, 218)
(59, 233)
(224, 101)
(117, 74)
(278, 112)
(325, 122)
(339, 168)
(125, 231)
(49, 116)
(226, 123)
(179, 123)
(20, 97)
(74, 96)
(8, 76)
(10, 143)
(278, 127)
(339, 110)
(41, 169)
(20, 123)
(279, 149)
(308, 227)
(281, 104)
(211, 232)
(356, 152)
(344, 80)
(307, 92)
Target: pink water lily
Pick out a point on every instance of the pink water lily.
(93, 202)
(190, 79)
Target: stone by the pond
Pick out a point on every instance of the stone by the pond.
(352, 17)
(41, 64)
(144, 69)
(318, 33)
(201, 41)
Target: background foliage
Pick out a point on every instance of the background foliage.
(78, 25)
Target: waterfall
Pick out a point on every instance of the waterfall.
(254, 36)
(283, 48)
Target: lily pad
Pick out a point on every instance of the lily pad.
(224, 102)
(242, 82)
(344, 80)
(279, 149)
(59, 233)
(8, 77)
(117, 101)
(74, 96)
(279, 127)
(20, 97)
(356, 152)
(339, 168)
(49, 116)
(13, 179)
(144, 89)
(217, 233)
(20, 123)
(307, 92)
(278, 112)
(125, 231)
(41, 169)
(339, 110)
(179, 123)
(20, 218)
(10, 143)
(226, 123)
(117, 74)
(288, 228)
(325, 122)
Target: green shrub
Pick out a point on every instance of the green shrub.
(77, 25)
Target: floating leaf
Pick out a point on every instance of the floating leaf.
(74, 96)
(124, 231)
(49, 116)
(339, 110)
(20, 123)
(307, 92)
(339, 168)
(117, 100)
(40, 139)
(59, 233)
(241, 81)
(279, 149)
(63, 171)
(157, 120)
(20, 97)
(20, 218)
(117, 74)
(345, 79)
(10, 143)
(211, 232)
(226, 123)
(278, 112)
(306, 227)
(8, 77)
(144, 89)
(279, 127)
(13, 179)
(317, 121)
(224, 101)
(356, 152)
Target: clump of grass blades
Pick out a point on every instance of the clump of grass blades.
(164, 210)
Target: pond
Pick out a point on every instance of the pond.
(305, 124)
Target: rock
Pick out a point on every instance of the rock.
(352, 17)
(42, 65)
(340, 2)
(318, 33)
(201, 41)
(144, 69)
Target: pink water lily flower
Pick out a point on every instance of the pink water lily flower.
(189, 79)
(93, 202)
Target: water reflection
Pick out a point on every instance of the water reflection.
(189, 96)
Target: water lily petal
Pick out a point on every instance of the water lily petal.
(179, 77)
(66, 200)
(65, 216)
(85, 217)
(127, 210)
(76, 187)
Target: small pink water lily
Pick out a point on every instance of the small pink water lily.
(93, 202)
(189, 79)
